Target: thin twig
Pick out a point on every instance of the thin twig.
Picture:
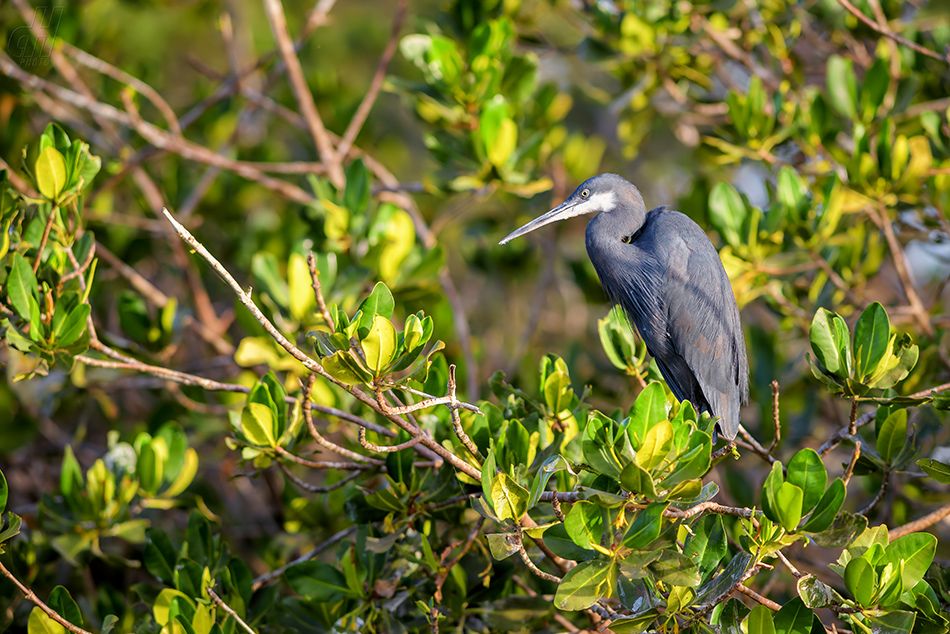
(749, 592)
(322, 464)
(332, 541)
(854, 460)
(798, 574)
(844, 432)
(776, 420)
(885, 481)
(900, 265)
(359, 118)
(318, 437)
(412, 442)
(853, 418)
(534, 569)
(756, 446)
(224, 606)
(50, 612)
(457, 420)
(308, 108)
(318, 291)
(856, 12)
(45, 238)
(440, 580)
(920, 524)
(312, 488)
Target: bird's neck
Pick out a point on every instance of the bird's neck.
(610, 227)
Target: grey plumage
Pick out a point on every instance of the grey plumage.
(661, 268)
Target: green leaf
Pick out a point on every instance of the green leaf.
(584, 524)
(842, 86)
(584, 585)
(706, 544)
(646, 527)
(794, 618)
(648, 410)
(916, 551)
(728, 213)
(635, 479)
(502, 545)
(892, 436)
(509, 498)
(770, 491)
(807, 472)
(21, 286)
(40, 623)
(876, 82)
(939, 471)
(557, 392)
(65, 606)
(676, 569)
(788, 505)
(657, 443)
(872, 336)
(548, 468)
(149, 466)
(359, 190)
(825, 335)
(760, 620)
(301, 298)
(259, 425)
(816, 594)
(4, 491)
(74, 325)
(50, 171)
(860, 580)
(160, 556)
(162, 607)
(379, 345)
(318, 581)
(792, 191)
(380, 302)
(896, 622)
(826, 510)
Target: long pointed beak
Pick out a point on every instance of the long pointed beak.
(561, 212)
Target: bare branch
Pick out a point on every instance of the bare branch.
(412, 442)
(359, 118)
(31, 596)
(278, 23)
(886, 32)
(920, 524)
(277, 572)
(306, 486)
(224, 606)
(457, 420)
(530, 564)
(318, 290)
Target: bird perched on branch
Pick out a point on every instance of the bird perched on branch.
(661, 268)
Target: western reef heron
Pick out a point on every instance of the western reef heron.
(661, 268)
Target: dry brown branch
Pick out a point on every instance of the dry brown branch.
(412, 442)
(776, 419)
(530, 564)
(854, 460)
(885, 481)
(755, 446)
(277, 572)
(218, 601)
(440, 580)
(845, 432)
(318, 291)
(366, 105)
(454, 405)
(880, 218)
(920, 524)
(322, 464)
(749, 592)
(328, 154)
(97, 64)
(50, 612)
(319, 438)
(306, 486)
(886, 32)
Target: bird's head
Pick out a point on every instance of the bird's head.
(604, 192)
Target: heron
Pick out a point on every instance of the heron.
(666, 275)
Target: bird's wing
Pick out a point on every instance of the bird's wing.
(703, 321)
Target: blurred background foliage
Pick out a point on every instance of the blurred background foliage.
(814, 149)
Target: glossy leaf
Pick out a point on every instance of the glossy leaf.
(860, 580)
(259, 425)
(50, 170)
(584, 524)
(807, 472)
(317, 581)
(646, 527)
(916, 552)
(872, 335)
(939, 471)
(21, 286)
(509, 498)
(892, 436)
(827, 508)
(379, 345)
(788, 505)
(584, 585)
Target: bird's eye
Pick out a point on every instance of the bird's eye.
(585, 193)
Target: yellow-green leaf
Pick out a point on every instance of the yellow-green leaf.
(185, 476)
(257, 421)
(302, 300)
(379, 346)
(50, 172)
(656, 445)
